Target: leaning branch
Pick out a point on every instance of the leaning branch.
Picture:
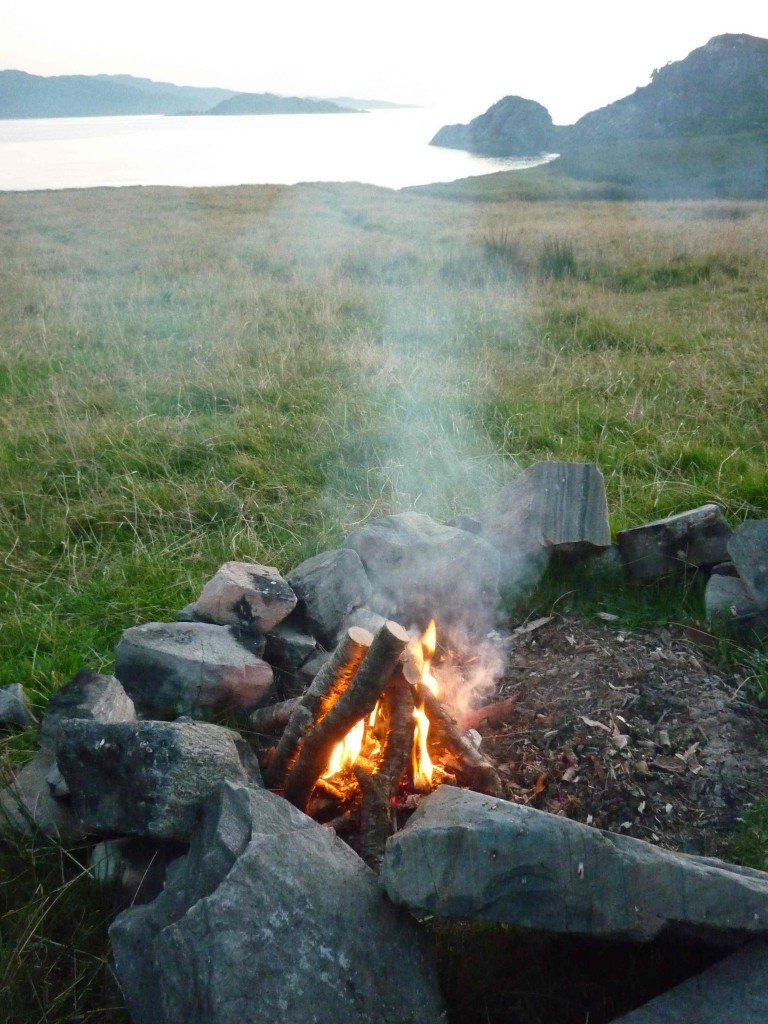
(327, 686)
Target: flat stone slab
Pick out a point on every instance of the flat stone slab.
(561, 504)
(667, 546)
(245, 594)
(733, 991)
(463, 855)
(748, 547)
(149, 778)
(190, 668)
(420, 569)
(272, 918)
(329, 587)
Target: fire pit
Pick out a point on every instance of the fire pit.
(370, 735)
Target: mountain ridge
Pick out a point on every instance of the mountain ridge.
(24, 95)
(719, 88)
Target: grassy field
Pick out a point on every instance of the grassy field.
(190, 376)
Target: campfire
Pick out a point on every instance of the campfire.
(370, 735)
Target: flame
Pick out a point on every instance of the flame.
(424, 651)
(346, 753)
(422, 763)
(429, 640)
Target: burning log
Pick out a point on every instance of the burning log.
(480, 772)
(379, 788)
(357, 701)
(299, 724)
(273, 718)
(329, 683)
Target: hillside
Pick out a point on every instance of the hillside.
(719, 89)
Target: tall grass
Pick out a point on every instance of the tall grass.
(189, 376)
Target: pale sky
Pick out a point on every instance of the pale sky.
(571, 56)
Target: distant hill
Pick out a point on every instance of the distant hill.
(28, 96)
(269, 103)
(719, 89)
(356, 104)
(177, 98)
(25, 95)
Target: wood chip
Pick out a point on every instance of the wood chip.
(530, 627)
(595, 725)
(669, 764)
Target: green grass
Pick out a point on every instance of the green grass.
(191, 376)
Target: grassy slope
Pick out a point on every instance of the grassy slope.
(696, 167)
(188, 376)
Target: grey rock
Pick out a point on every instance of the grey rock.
(27, 805)
(464, 855)
(57, 784)
(310, 668)
(329, 587)
(420, 569)
(270, 918)
(15, 707)
(188, 613)
(748, 547)
(233, 815)
(732, 991)
(552, 506)
(88, 695)
(727, 597)
(561, 504)
(146, 779)
(190, 668)
(288, 647)
(245, 594)
(363, 617)
(663, 547)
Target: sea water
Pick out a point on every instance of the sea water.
(388, 147)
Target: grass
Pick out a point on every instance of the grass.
(190, 376)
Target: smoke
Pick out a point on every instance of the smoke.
(471, 670)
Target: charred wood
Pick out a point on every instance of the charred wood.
(379, 788)
(374, 817)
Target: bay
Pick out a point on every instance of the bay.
(389, 148)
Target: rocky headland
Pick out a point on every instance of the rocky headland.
(718, 89)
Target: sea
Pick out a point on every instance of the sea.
(388, 147)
